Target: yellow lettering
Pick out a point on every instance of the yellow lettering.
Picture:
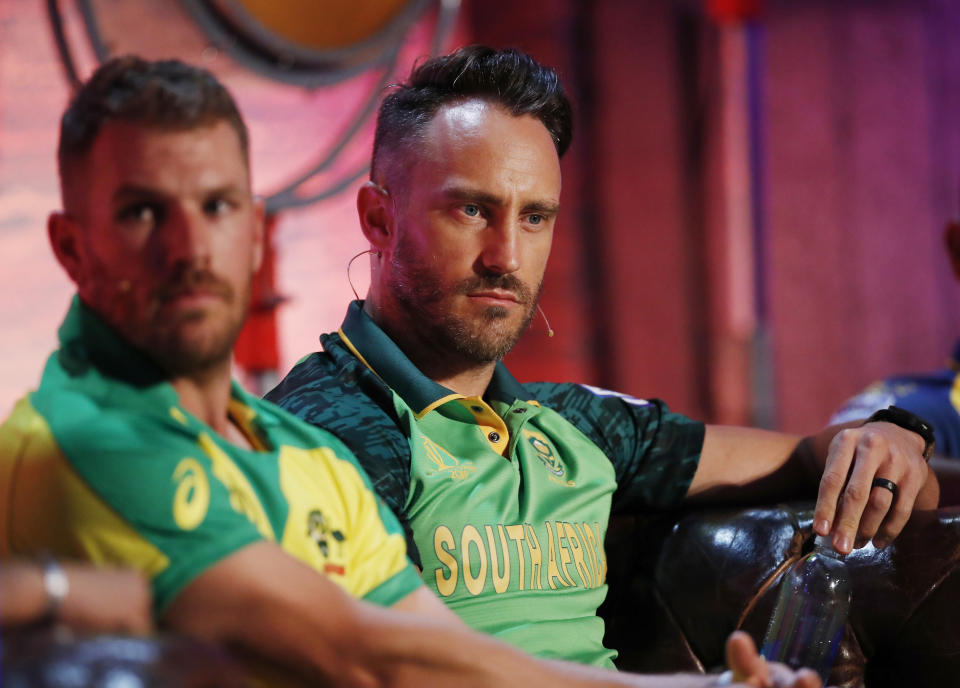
(192, 496)
(564, 551)
(500, 582)
(516, 534)
(603, 554)
(552, 571)
(442, 544)
(471, 536)
(590, 550)
(536, 557)
(576, 549)
(594, 548)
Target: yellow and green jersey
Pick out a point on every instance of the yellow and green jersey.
(505, 499)
(102, 463)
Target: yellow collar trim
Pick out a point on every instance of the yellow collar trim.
(355, 352)
(243, 416)
(439, 402)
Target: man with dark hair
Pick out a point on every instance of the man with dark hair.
(255, 529)
(505, 490)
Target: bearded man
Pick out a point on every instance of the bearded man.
(505, 490)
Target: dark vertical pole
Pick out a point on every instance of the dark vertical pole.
(692, 99)
(590, 160)
(763, 392)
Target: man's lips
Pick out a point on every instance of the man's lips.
(498, 295)
(191, 297)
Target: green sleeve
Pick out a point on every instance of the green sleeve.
(159, 483)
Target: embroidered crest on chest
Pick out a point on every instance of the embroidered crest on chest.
(541, 447)
(444, 463)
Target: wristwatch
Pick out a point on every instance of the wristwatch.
(56, 585)
(908, 421)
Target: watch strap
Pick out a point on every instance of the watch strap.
(908, 421)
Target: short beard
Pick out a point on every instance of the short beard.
(180, 358)
(421, 294)
(161, 341)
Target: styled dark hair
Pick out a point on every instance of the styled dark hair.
(509, 78)
(167, 94)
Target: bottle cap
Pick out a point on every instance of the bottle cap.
(824, 544)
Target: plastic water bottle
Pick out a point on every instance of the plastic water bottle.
(811, 612)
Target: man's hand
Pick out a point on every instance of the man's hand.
(106, 600)
(740, 465)
(99, 600)
(750, 669)
(855, 511)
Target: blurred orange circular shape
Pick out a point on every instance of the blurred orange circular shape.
(324, 24)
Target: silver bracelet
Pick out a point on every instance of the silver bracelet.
(56, 585)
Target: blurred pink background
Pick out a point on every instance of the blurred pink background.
(753, 212)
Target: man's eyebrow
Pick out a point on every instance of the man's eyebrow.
(134, 191)
(128, 191)
(475, 196)
(542, 208)
(461, 193)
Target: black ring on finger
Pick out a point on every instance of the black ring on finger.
(886, 485)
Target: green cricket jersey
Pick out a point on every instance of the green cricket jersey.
(102, 463)
(505, 498)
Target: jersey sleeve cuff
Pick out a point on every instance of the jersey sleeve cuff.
(395, 588)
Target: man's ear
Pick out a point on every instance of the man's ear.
(952, 237)
(376, 210)
(67, 243)
(259, 230)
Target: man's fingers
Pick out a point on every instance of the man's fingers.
(839, 457)
(745, 662)
(854, 518)
(750, 668)
(878, 506)
(783, 677)
(901, 507)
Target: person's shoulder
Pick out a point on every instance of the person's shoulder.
(317, 379)
(335, 390)
(309, 373)
(907, 391)
(572, 397)
(65, 440)
(606, 416)
(81, 414)
(296, 431)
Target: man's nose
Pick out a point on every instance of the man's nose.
(187, 238)
(501, 250)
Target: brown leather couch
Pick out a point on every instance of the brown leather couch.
(681, 583)
(45, 657)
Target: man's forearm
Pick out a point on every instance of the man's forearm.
(23, 597)
(271, 605)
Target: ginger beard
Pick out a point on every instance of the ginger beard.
(182, 341)
(430, 304)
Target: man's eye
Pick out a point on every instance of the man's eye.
(535, 219)
(141, 213)
(471, 210)
(217, 206)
